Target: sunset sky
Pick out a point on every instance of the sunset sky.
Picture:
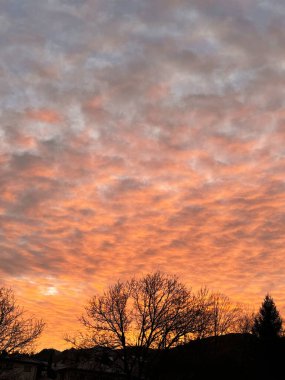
(140, 135)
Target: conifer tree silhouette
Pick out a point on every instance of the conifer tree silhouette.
(268, 323)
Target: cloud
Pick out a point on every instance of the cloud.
(140, 136)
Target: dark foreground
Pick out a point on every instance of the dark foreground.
(228, 357)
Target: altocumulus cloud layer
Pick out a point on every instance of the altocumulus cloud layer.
(140, 135)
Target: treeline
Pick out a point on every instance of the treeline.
(135, 317)
(158, 312)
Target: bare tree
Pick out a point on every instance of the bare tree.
(156, 311)
(164, 311)
(225, 314)
(216, 314)
(108, 319)
(245, 321)
(204, 301)
(17, 333)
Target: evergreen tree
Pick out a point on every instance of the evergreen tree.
(267, 323)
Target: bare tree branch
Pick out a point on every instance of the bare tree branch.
(17, 333)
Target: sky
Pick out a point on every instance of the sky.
(140, 135)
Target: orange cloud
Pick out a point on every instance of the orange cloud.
(44, 116)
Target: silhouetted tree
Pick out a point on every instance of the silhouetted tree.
(267, 323)
(155, 311)
(225, 314)
(17, 333)
(204, 317)
(164, 311)
(216, 314)
(245, 321)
